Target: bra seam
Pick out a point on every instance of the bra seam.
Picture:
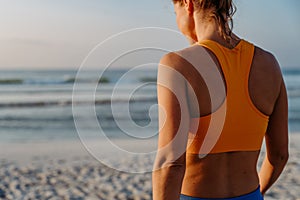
(210, 114)
(235, 150)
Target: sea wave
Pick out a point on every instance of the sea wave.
(66, 80)
(11, 81)
(291, 71)
(293, 92)
(70, 102)
(77, 80)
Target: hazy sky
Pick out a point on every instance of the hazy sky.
(60, 33)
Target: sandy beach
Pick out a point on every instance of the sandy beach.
(67, 170)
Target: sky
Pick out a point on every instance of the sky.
(59, 34)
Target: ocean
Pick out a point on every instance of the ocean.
(36, 105)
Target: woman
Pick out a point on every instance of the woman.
(254, 102)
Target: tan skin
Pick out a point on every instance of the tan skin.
(220, 175)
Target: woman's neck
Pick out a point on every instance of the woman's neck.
(209, 30)
(206, 30)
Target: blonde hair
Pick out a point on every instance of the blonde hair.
(221, 10)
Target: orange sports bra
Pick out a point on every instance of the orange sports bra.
(237, 125)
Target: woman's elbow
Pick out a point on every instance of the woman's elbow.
(170, 164)
(280, 158)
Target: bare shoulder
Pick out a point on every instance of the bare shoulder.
(265, 80)
(171, 59)
(176, 59)
(266, 73)
(267, 63)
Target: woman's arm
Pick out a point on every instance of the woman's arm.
(169, 167)
(276, 142)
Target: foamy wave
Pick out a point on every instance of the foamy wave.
(293, 92)
(73, 79)
(69, 102)
(68, 80)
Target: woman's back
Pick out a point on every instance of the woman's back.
(221, 175)
(228, 174)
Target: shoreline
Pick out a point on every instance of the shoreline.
(65, 169)
(22, 152)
